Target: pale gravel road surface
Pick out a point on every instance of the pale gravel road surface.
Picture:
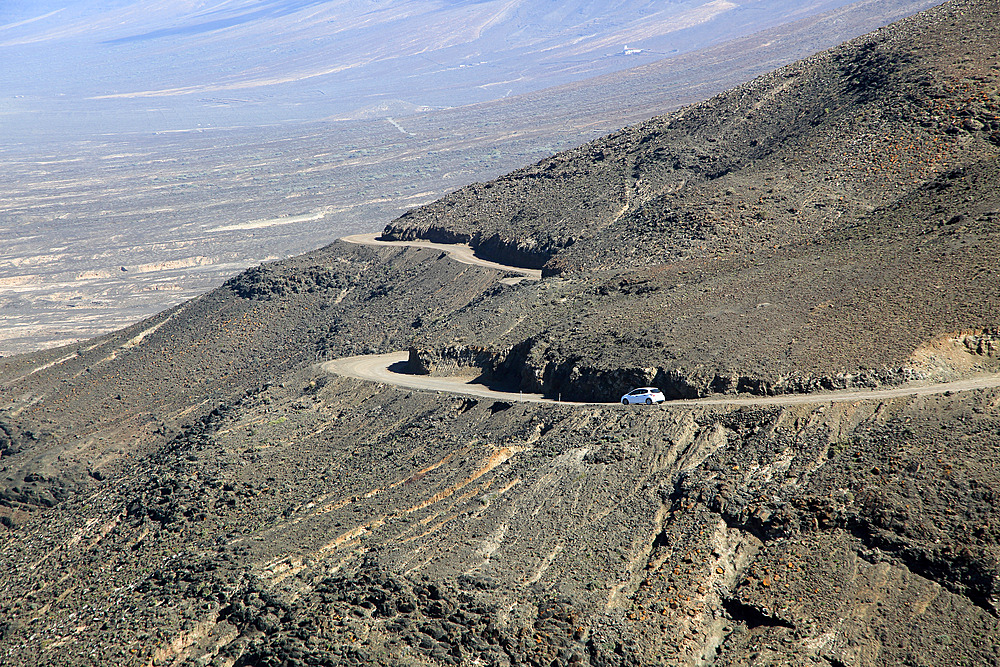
(376, 367)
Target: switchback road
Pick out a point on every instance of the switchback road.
(390, 368)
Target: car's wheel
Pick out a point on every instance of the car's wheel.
(624, 401)
(649, 401)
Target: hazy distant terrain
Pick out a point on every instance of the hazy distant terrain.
(150, 151)
(135, 66)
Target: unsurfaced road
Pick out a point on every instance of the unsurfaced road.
(378, 368)
(459, 252)
(390, 368)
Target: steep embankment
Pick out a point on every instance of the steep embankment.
(814, 228)
(330, 521)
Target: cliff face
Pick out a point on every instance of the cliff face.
(197, 490)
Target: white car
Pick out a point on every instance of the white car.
(647, 395)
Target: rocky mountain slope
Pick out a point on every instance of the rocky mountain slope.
(195, 490)
(187, 193)
(816, 225)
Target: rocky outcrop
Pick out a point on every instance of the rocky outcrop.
(455, 359)
(266, 282)
(29, 484)
(984, 343)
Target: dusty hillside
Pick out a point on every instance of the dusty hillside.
(196, 490)
(813, 227)
(814, 146)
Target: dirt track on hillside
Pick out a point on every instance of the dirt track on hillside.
(378, 368)
(460, 252)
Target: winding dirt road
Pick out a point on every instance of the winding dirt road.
(390, 368)
(379, 368)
